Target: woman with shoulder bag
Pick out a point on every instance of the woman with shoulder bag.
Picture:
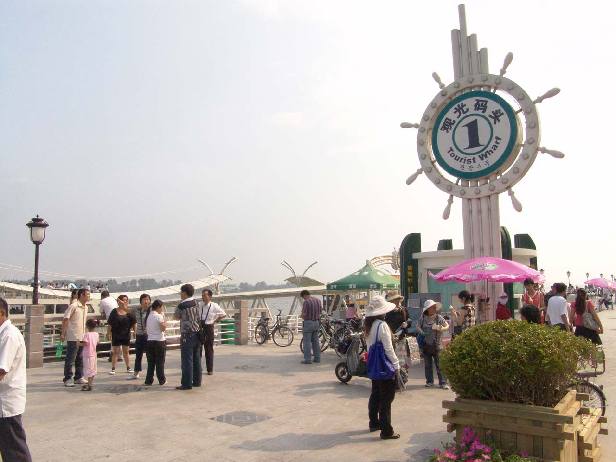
(431, 325)
(384, 379)
(584, 317)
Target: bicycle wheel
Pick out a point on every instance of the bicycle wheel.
(596, 396)
(323, 340)
(337, 340)
(282, 336)
(261, 334)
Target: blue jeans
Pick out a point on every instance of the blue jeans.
(191, 360)
(310, 330)
(428, 359)
(73, 355)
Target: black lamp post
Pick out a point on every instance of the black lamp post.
(37, 236)
(569, 277)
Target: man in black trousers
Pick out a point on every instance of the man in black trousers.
(210, 314)
(188, 314)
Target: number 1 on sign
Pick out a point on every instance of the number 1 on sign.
(472, 129)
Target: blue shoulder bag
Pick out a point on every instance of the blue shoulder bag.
(379, 367)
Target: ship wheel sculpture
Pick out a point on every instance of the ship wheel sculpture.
(481, 133)
(477, 138)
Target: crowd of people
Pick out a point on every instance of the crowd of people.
(147, 323)
(386, 320)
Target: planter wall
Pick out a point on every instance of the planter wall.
(565, 433)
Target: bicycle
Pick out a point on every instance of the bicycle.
(596, 397)
(279, 333)
(325, 334)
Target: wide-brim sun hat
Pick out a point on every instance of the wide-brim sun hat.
(393, 296)
(429, 304)
(378, 306)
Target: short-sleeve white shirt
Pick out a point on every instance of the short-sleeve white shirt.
(214, 311)
(107, 305)
(13, 362)
(153, 327)
(557, 306)
(77, 316)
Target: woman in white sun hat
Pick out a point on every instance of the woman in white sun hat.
(383, 391)
(431, 325)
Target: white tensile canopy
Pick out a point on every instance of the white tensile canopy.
(163, 292)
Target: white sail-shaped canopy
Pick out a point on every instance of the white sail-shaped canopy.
(163, 292)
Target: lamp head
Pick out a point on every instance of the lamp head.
(37, 227)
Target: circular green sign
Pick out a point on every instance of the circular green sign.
(474, 134)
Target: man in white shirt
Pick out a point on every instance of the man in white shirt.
(558, 308)
(13, 445)
(73, 329)
(211, 313)
(107, 305)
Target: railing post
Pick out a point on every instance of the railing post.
(241, 322)
(33, 335)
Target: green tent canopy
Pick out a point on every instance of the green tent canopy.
(367, 278)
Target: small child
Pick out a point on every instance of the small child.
(90, 340)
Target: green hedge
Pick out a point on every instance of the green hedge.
(514, 361)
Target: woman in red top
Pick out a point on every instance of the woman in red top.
(581, 305)
(532, 296)
(502, 310)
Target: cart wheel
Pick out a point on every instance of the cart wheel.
(595, 394)
(342, 372)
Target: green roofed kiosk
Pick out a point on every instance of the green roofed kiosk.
(367, 278)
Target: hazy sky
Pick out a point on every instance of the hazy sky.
(150, 133)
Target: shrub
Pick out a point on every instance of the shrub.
(514, 361)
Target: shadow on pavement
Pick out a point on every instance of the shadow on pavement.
(306, 441)
(333, 387)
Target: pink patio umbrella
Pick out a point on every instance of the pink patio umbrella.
(601, 283)
(489, 269)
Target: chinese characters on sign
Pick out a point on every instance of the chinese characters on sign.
(474, 134)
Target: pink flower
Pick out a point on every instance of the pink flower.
(468, 435)
(523, 453)
(450, 455)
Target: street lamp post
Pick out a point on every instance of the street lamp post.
(37, 235)
(568, 278)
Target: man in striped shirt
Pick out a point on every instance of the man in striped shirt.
(311, 314)
(189, 315)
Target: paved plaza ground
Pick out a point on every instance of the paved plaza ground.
(260, 405)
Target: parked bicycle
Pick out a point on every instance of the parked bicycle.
(325, 334)
(279, 332)
(596, 397)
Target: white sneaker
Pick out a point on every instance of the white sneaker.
(81, 381)
(112, 372)
(133, 377)
(68, 384)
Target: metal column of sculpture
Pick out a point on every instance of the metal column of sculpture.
(476, 139)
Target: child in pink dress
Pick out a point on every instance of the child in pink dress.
(90, 340)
